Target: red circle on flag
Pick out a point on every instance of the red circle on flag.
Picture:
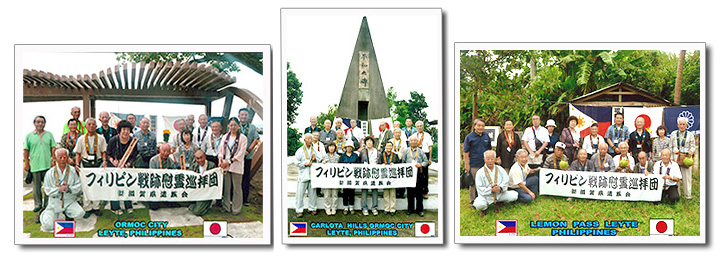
(215, 228)
(661, 226)
(425, 228)
(648, 122)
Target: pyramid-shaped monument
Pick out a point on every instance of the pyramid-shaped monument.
(363, 96)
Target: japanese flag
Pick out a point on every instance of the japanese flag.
(652, 116)
(662, 227)
(424, 229)
(215, 228)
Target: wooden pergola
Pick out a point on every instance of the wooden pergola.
(621, 95)
(170, 82)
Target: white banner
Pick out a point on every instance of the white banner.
(362, 176)
(601, 185)
(150, 184)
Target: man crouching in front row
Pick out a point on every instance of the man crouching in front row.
(491, 183)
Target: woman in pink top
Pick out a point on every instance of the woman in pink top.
(231, 156)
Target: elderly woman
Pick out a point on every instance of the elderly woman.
(348, 195)
(186, 150)
(682, 144)
(582, 164)
(643, 166)
(671, 174)
(571, 137)
(623, 155)
(331, 194)
(602, 161)
(558, 155)
(526, 187)
(660, 143)
(554, 138)
(508, 143)
(639, 139)
(369, 155)
(231, 156)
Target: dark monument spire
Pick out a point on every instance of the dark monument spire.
(363, 96)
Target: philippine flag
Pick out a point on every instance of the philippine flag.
(424, 229)
(64, 228)
(298, 229)
(587, 115)
(506, 227)
(662, 227)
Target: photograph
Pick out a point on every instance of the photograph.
(142, 144)
(362, 105)
(595, 143)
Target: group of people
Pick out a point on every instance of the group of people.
(519, 159)
(335, 144)
(54, 167)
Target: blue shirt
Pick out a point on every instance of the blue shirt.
(554, 138)
(476, 145)
(616, 135)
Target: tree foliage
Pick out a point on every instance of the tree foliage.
(294, 99)
(225, 62)
(500, 85)
(330, 115)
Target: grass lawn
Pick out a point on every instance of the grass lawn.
(686, 214)
(358, 217)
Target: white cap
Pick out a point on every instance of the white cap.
(560, 145)
(551, 122)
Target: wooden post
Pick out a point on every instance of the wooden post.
(208, 107)
(226, 108)
(86, 106)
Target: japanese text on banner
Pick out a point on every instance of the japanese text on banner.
(363, 176)
(151, 184)
(601, 185)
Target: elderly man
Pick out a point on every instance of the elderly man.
(670, 172)
(62, 186)
(355, 134)
(327, 135)
(582, 164)
(105, 129)
(385, 134)
(201, 165)
(39, 156)
(526, 187)
(396, 125)
(425, 142)
(313, 126)
(253, 139)
(643, 165)
(304, 158)
(117, 147)
(491, 183)
(146, 145)
(417, 158)
(202, 131)
(602, 161)
(558, 155)
(409, 130)
(338, 126)
(75, 113)
(161, 160)
(474, 147)
(90, 153)
(133, 121)
(399, 147)
(616, 134)
(340, 141)
(623, 154)
(190, 122)
(176, 140)
(682, 144)
(69, 139)
(535, 139)
(639, 139)
(593, 140)
(211, 145)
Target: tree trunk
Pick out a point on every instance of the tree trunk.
(678, 79)
(533, 68)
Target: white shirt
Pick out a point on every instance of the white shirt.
(424, 141)
(199, 135)
(399, 146)
(211, 144)
(517, 175)
(175, 140)
(372, 155)
(662, 169)
(357, 132)
(540, 132)
(319, 150)
(80, 146)
(629, 158)
(589, 141)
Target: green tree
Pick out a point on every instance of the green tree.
(330, 115)
(391, 95)
(225, 62)
(294, 99)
